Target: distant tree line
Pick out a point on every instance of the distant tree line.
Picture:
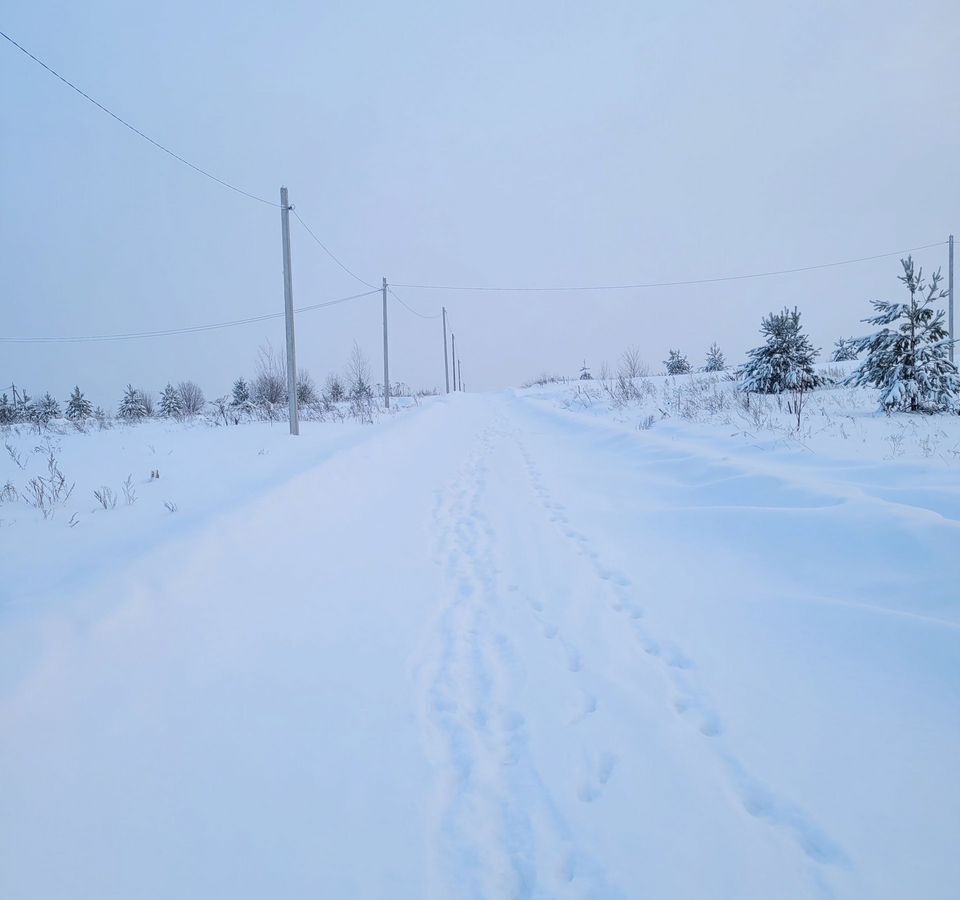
(351, 393)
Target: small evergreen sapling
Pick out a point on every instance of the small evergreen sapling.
(333, 390)
(171, 402)
(844, 350)
(784, 362)
(910, 361)
(79, 408)
(306, 389)
(45, 409)
(22, 407)
(715, 359)
(240, 396)
(585, 372)
(8, 412)
(132, 408)
(677, 363)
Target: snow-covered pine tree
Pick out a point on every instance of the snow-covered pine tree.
(132, 408)
(715, 360)
(784, 362)
(585, 372)
(333, 390)
(241, 393)
(45, 409)
(22, 407)
(79, 408)
(8, 412)
(844, 350)
(306, 388)
(171, 402)
(677, 363)
(910, 362)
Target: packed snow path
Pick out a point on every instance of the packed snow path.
(494, 650)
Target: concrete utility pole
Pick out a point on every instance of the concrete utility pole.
(453, 356)
(950, 292)
(459, 375)
(446, 366)
(288, 310)
(386, 355)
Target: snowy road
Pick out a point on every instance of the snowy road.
(494, 650)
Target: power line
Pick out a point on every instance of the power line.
(134, 129)
(409, 308)
(660, 284)
(330, 253)
(191, 329)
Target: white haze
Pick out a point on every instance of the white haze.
(496, 143)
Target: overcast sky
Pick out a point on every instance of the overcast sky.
(495, 143)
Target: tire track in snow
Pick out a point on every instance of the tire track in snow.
(689, 698)
(499, 832)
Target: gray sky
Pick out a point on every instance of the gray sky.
(530, 144)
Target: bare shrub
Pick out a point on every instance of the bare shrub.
(362, 408)
(632, 365)
(269, 387)
(129, 494)
(359, 383)
(146, 397)
(545, 378)
(106, 497)
(630, 384)
(16, 456)
(47, 493)
(191, 397)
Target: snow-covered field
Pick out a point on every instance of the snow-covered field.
(542, 643)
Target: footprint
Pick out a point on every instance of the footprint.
(549, 630)
(590, 789)
(709, 721)
(650, 646)
(710, 726)
(587, 792)
(676, 659)
(608, 762)
(588, 706)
